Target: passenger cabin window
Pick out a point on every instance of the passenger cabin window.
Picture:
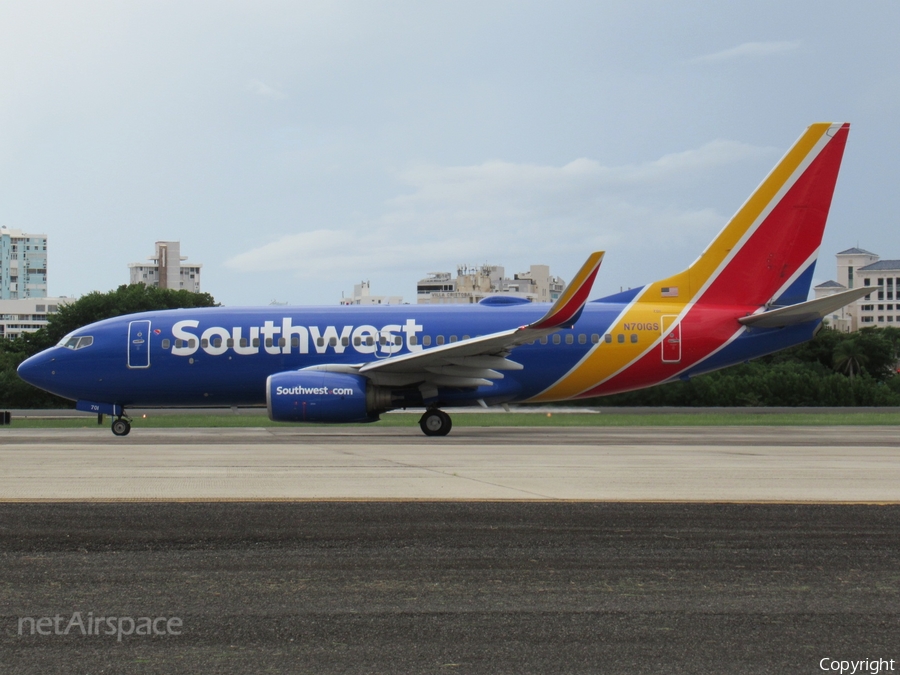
(582, 338)
(166, 343)
(426, 340)
(452, 338)
(413, 340)
(621, 338)
(556, 338)
(440, 339)
(634, 337)
(570, 339)
(607, 338)
(544, 340)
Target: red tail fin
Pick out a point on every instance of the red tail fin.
(766, 254)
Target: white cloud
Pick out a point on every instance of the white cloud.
(749, 50)
(264, 90)
(465, 213)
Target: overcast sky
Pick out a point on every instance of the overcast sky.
(296, 148)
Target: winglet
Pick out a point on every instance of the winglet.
(568, 307)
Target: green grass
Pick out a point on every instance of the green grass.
(605, 419)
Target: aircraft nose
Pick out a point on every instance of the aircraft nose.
(37, 370)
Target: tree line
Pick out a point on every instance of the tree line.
(834, 369)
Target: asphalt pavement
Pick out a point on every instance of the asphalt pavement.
(449, 587)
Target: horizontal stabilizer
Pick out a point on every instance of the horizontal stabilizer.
(805, 311)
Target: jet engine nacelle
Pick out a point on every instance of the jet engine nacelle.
(321, 396)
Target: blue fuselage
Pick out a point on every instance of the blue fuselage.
(222, 356)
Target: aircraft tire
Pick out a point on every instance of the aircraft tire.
(435, 423)
(121, 427)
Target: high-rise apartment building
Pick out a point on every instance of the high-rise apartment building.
(23, 265)
(165, 269)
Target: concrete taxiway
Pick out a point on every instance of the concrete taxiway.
(790, 464)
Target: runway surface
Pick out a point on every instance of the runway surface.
(463, 587)
(493, 550)
(794, 464)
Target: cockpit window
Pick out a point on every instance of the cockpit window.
(77, 342)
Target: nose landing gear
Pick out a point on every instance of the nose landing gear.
(435, 423)
(121, 426)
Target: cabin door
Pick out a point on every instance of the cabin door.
(139, 344)
(671, 342)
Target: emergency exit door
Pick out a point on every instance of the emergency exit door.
(671, 342)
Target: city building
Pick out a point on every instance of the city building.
(473, 284)
(857, 268)
(362, 296)
(165, 269)
(26, 315)
(23, 265)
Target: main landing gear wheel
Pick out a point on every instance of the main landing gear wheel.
(121, 427)
(435, 423)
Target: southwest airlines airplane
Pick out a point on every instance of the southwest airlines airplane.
(745, 296)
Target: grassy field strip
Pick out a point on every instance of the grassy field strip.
(508, 420)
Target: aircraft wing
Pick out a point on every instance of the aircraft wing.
(805, 311)
(477, 361)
